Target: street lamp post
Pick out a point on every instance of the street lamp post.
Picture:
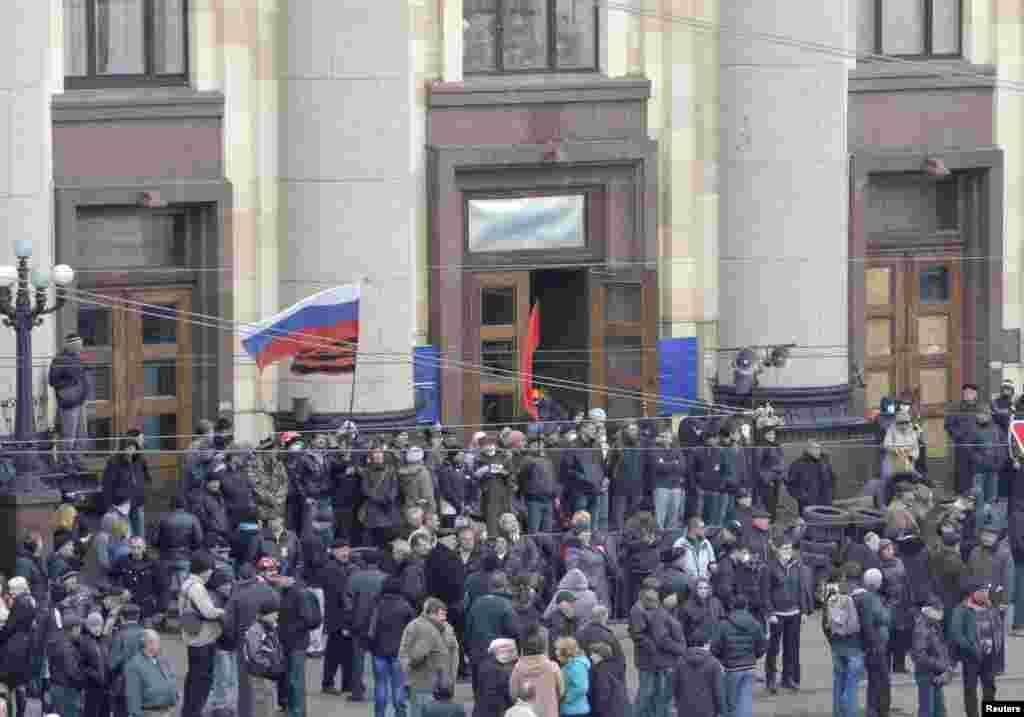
(21, 313)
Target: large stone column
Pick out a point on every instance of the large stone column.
(347, 193)
(783, 202)
(26, 211)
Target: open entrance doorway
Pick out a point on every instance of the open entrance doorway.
(564, 353)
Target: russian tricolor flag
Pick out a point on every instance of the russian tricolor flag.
(320, 323)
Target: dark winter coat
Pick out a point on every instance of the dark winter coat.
(239, 496)
(654, 648)
(594, 563)
(583, 470)
(700, 684)
(920, 585)
(769, 466)
(498, 485)
(68, 379)
(987, 450)
(537, 478)
(286, 549)
(591, 634)
(608, 696)
(668, 468)
(295, 620)
(393, 613)
(413, 575)
(963, 632)
(65, 662)
(787, 588)
(446, 574)
(700, 614)
(380, 486)
(18, 644)
(627, 468)
(1016, 534)
(492, 697)
(27, 565)
(212, 513)
(146, 581)
(864, 556)
(243, 608)
(930, 650)
(740, 641)
(491, 616)
(335, 576)
(95, 661)
(707, 469)
(125, 480)
(895, 595)
(811, 481)
(523, 557)
(361, 595)
(178, 535)
(947, 569)
(451, 482)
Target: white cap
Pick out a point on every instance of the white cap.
(414, 454)
(597, 414)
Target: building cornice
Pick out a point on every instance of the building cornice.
(921, 76)
(537, 90)
(144, 103)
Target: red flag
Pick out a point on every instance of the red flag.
(526, 360)
(1017, 434)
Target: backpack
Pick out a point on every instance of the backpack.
(262, 653)
(311, 613)
(843, 617)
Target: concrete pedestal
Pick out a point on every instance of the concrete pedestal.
(20, 514)
(784, 201)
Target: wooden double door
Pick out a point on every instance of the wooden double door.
(611, 331)
(913, 340)
(138, 348)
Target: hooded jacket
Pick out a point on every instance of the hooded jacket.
(491, 617)
(700, 614)
(546, 677)
(740, 641)
(930, 650)
(655, 650)
(596, 632)
(492, 695)
(417, 486)
(894, 593)
(17, 643)
(576, 583)
(811, 481)
(699, 679)
(393, 612)
(608, 696)
(594, 563)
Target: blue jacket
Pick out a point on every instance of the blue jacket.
(667, 467)
(576, 678)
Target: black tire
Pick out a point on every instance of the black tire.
(867, 517)
(825, 514)
(811, 547)
(818, 561)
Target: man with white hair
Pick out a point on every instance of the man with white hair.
(151, 689)
(876, 620)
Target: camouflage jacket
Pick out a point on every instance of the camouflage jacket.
(270, 483)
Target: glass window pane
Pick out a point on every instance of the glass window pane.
(94, 325)
(479, 36)
(879, 386)
(527, 223)
(160, 324)
(498, 307)
(160, 432)
(878, 339)
(620, 407)
(101, 431)
(576, 35)
(625, 355)
(903, 27)
(119, 37)
(935, 438)
(499, 354)
(101, 378)
(624, 303)
(934, 284)
(524, 36)
(866, 25)
(75, 39)
(934, 386)
(169, 37)
(947, 207)
(877, 283)
(499, 408)
(160, 377)
(946, 27)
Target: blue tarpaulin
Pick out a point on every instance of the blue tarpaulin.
(427, 384)
(677, 374)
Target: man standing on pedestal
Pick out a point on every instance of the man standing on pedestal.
(68, 379)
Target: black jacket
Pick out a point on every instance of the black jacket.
(1016, 526)
(95, 661)
(144, 579)
(393, 613)
(492, 697)
(811, 481)
(593, 633)
(335, 577)
(446, 575)
(125, 480)
(740, 642)
(239, 496)
(295, 619)
(451, 482)
(178, 535)
(212, 512)
(27, 565)
(361, 595)
(864, 556)
(608, 697)
(698, 684)
(243, 608)
(667, 467)
(65, 662)
(18, 644)
(700, 614)
(68, 379)
(537, 477)
(654, 648)
(930, 651)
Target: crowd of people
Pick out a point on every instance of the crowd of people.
(504, 563)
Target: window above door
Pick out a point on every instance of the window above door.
(523, 36)
(910, 28)
(125, 43)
